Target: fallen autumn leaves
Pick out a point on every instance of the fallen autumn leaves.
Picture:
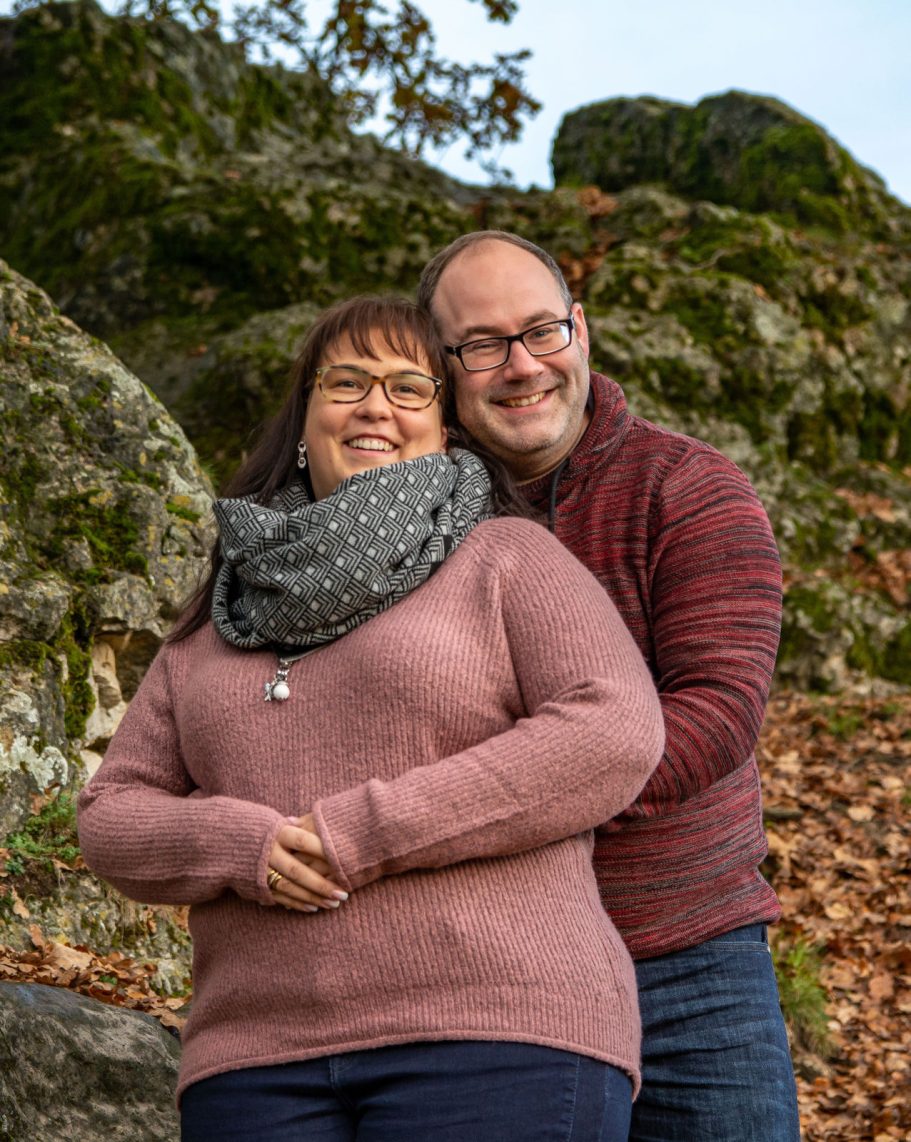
(837, 794)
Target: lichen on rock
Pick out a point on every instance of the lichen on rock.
(95, 568)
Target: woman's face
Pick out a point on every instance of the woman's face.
(343, 439)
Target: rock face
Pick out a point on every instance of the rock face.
(745, 278)
(103, 531)
(175, 191)
(73, 1069)
(737, 149)
(102, 535)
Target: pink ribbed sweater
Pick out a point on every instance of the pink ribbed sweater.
(451, 741)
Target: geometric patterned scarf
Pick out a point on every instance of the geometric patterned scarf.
(299, 574)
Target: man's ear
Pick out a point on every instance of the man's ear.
(581, 327)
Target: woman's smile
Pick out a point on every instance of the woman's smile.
(348, 436)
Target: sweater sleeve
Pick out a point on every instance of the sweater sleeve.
(146, 829)
(591, 736)
(716, 613)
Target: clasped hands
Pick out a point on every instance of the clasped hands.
(298, 856)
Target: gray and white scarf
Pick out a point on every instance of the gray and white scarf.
(299, 574)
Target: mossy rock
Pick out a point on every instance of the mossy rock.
(834, 633)
(103, 529)
(221, 386)
(167, 176)
(746, 150)
(68, 64)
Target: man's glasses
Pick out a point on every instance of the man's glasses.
(491, 352)
(346, 384)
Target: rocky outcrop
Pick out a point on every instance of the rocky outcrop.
(103, 531)
(102, 535)
(737, 149)
(168, 176)
(743, 276)
(173, 192)
(75, 1070)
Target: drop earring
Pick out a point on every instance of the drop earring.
(301, 454)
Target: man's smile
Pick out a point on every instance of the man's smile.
(521, 402)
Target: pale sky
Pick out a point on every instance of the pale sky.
(844, 63)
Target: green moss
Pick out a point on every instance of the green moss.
(790, 170)
(76, 197)
(24, 652)
(71, 642)
(798, 968)
(117, 77)
(48, 836)
(834, 312)
(890, 658)
(814, 604)
(747, 247)
(20, 481)
(812, 439)
(884, 429)
(74, 641)
(108, 527)
(844, 722)
(808, 613)
(820, 528)
(183, 512)
(703, 305)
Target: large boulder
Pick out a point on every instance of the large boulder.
(104, 529)
(103, 533)
(745, 150)
(75, 1070)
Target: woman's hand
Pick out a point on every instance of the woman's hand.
(298, 868)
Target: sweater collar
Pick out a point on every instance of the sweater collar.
(599, 443)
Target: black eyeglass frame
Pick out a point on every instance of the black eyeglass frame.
(375, 380)
(509, 340)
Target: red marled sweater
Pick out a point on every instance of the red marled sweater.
(676, 535)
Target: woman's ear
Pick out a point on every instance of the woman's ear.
(444, 438)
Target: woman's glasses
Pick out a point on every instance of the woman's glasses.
(346, 384)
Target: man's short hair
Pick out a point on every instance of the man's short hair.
(433, 271)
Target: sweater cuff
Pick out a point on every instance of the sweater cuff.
(260, 892)
(333, 824)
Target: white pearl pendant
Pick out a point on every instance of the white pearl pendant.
(281, 692)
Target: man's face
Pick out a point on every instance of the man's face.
(530, 411)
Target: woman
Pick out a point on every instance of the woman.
(371, 773)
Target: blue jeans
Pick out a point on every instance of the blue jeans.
(716, 1065)
(420, 1092)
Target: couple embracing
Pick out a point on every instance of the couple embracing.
(452, 752)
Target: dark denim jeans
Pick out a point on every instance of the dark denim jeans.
(716, 1065)
(420, 1092)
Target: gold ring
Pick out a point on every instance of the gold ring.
(273, 879)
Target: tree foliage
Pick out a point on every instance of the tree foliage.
(382, 60)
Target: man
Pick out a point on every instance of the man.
(679, 539)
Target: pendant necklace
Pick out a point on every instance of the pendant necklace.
(278, 689)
